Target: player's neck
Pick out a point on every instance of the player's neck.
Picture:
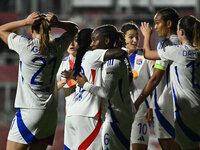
(73, 58)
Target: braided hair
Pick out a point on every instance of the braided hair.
(83, 40)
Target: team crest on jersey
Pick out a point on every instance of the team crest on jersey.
(138, 61)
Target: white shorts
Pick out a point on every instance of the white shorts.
(33, 125)
(163, 123)
(187, 126)
(140, 131)
(82, 133)
(116, 136)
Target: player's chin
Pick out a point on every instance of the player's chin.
(134, 47)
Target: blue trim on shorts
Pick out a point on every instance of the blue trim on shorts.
(66, 148)
(26, 134)
(162, 120)
(187, 131)
(117, 130)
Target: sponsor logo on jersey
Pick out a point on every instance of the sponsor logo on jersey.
(141, 138)
(138, 61)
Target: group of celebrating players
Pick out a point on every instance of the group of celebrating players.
(115, 92)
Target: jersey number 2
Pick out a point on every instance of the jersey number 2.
(52, 61)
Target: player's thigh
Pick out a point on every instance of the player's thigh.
(163, 123)
(116, 136)
(32, 126)
(15, 146)
(81, 129)
(140, 131)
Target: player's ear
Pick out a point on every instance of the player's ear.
(182, 32)
(107, 41)
(169, 24)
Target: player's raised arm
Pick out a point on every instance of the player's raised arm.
(7, 28)
(69, 26)
(146, 31)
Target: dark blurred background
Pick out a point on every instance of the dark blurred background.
(86, 13)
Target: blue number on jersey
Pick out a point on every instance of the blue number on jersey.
(52, 61)
(143, 128)
(195, 67)
(106, 139)
(79, 94)
(110, 62)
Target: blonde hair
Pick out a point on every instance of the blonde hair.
(196, 32)
(43, 28)
(191, 26)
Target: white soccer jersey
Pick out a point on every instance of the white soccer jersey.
(162, 97)
(185, 80)
(67, 64)
(185, 74)
(84, 103)
(115, 89)
(37, 73)
(142, 70)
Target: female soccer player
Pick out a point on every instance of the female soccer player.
(115, 89)
(69, 64)
(68, 86)
(185, 79)
(163, 122)
(84, 112)
(142, 69)
(40, 58)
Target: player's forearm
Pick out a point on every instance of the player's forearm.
(96, 90)
(148, 89)
(13, 26)
(60, 84)
(115, 53)
(148, 53)
(6, 29)
(69, 26)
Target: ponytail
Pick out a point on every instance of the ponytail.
(84, 41)
(45, 37)
(191, 27)
(196, 33)
(43, 28)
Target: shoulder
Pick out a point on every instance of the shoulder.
(14, 36)
(171, 41)
(140, 52)
(67, 58)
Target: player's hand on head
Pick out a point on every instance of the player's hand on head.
(32, 18)
(145, 29)
(81, 80)
(51, 17)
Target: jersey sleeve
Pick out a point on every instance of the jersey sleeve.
(170, 53)
(161, 64)
(109, 83)
(95, 58)
(17, 42)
